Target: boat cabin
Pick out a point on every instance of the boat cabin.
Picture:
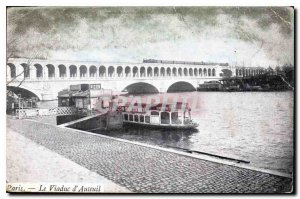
(171, 114)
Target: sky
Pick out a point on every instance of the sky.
(244, 36)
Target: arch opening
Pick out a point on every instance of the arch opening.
(26, 70)
(174, 71)
(200, 72)
(180, 72)
(149, 72)
(168, 72)
(213, 72)
(93, 71)
(73, 71)
(12, 70)
(102, 71)
(62, 70)
(195, 72)
(82, 71)
(204, 72)
(185, 72)
(111, 71)
(39, 70)
(135, 71)
(191, 72)
(140, 88)
(162, 72)
(156, 72)
(181, 87)
(142, 72)
(119, 71)
(23, 92)
(51, 70)
(127, 71)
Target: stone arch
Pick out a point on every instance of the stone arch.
(174, 71)
(168, 71)
(93, 71)
(120, 71)
(62, 70)
(156, 72)
(190, 72)
(213, 72)
(12, 70)
(209, 72)
(200, 72)
(162, 72)
(39, 70)
(73, 71)
(142, 71)
(149, 71)
(185, 72)
(205, 72)
(26, 70)
(135, 71)
(181, 86)
(111, 71)
(195, 72)
(180, 72)
(51, 70)
(25, 93)
(82, 71)
(102, 71)
(140, 87)
(127, 71)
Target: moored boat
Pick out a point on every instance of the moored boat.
(170, 116)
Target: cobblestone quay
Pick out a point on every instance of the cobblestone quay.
(148, 170)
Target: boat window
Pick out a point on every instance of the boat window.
(147, 119)
(130, 117)
(126, 117)
(141, 118)
(136, 118)
(154, 113)
(165, 118)
(175, 118)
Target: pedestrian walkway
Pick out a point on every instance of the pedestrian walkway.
(29, 162)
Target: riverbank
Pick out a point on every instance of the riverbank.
(147, 170)
(29, 162)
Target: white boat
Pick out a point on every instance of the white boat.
(156, 117)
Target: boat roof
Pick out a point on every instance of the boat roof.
(178, 105)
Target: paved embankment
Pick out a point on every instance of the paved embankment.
(144, 169)
(29, 162)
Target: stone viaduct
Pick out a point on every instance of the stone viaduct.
(45, 78)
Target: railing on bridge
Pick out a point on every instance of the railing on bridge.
(27, 113)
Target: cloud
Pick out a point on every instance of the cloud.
(251, 36)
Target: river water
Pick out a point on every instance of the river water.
(251, 126)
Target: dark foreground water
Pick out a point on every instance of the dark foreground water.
(252, 126)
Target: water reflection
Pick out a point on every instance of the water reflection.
(161, 137)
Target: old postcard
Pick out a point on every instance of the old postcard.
(150, 100)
